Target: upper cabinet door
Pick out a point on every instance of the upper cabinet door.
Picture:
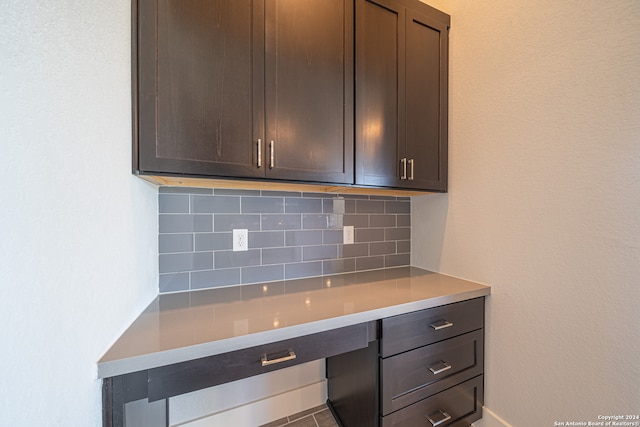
(379, 100)
(401, 95)
(426, 46)
(309, 90)
(201, 86)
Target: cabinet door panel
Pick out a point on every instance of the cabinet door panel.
(426, 106)
(309, 78)
(202, 95)
(379, 102)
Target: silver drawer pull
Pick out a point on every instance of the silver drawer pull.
(267, 362)
(438, 418)
(440, 324)
(439, 368)
(403, 166)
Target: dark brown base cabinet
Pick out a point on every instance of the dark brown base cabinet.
(420, 368)
(426, 368)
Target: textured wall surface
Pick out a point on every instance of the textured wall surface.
(78, 259)
(291, 235)
(544, 201)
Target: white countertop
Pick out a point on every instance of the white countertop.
(186, 326)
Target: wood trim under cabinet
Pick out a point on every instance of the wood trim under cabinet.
(177, 181)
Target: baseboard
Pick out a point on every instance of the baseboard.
(490, 419)
(265, 410)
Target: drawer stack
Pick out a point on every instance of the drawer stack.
(431, 365)
(426, 369)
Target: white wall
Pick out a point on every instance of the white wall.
(544, 201)
(78, 255)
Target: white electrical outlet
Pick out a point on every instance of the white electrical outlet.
(347, 234)
(240, 240)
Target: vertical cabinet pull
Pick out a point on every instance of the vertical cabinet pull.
(403, 166)
(259, 152)
(266, 362)
(440, 324)
(410, 169)
(272, 148)
(438, 418)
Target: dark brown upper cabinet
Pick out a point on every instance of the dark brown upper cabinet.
(401, 94)
(244, 89)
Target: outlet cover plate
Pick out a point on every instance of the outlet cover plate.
(347, 235)
(240, 240)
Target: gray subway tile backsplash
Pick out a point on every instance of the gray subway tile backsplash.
(355, 250)
(332, 236)
(403, 220)
(215, 278)
(397, 260)
(213, 241)
(229, 259)
(370, 234)
(188, 261)
(370, 263)
(169, 243)
(173, 203)
(382, 248)
(369, 206)
(302, 269)
(358, 221)
(170, 223)
(403, 246)
(227, 222)
(262, 205)
(281, 255)
(215, 204)
(291, 235)
(316, 221)
(265, 239)
(174, 282)
(335, 266)
(263, 273)
(281, 222)
(399, 233)
(314, 253)
(397, 207)
(382, 220)
(303, 237)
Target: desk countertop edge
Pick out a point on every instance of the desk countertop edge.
(123, 366)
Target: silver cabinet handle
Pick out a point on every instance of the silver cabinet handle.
(440, 367)
(259, 152)
(440, 324)
(403, 163)
(411, 170)
(272, 148)
(267, 362)
(438, 418)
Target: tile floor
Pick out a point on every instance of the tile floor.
(320, 416)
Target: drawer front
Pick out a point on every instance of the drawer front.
(409, 377)
(167, 381)
(412, 330)
(455, 407)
